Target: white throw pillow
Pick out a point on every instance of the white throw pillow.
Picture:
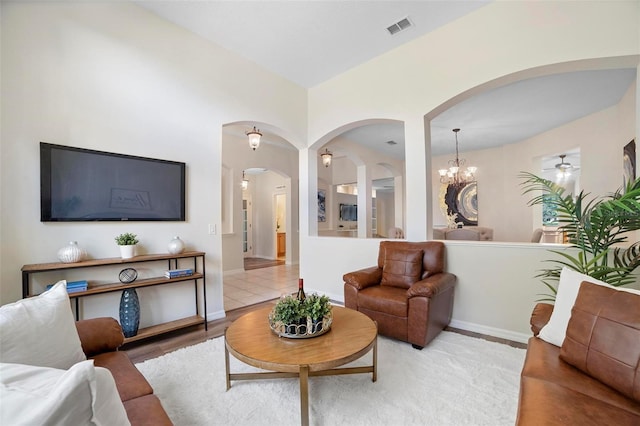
(40, 331)
(82, 395)
(555, 330)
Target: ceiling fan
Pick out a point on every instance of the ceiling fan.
(562, 166)
(563, 169)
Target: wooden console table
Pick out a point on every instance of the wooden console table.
(172, 263)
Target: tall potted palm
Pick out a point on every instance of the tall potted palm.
(595, 226)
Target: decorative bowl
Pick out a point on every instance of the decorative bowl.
(305, 330)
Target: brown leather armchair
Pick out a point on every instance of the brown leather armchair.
(408, 293)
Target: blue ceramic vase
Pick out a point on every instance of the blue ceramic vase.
(129, 312)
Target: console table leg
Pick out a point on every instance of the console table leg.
(304, 395)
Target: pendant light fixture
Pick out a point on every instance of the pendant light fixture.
(326, 157)
(254, 138)
(454, 175)
(245, 182)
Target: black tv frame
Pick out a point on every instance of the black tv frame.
(46, 202)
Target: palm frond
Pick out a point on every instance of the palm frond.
(594, 226)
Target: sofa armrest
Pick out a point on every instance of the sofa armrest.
(432, 285)
(363, 278)
(540, 317)
(99, 335)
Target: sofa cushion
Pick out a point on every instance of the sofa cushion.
(543, 362)
(555, 330)
(83, 394)
(603, 337)
(550, 403)
(402, 267)
(40, 331)
(147, 410)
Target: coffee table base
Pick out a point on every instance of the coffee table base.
(303, 376)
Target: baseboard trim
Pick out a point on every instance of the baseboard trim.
(490, 331)
(212, 316)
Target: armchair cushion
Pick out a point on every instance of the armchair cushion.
(402, 267)
(603, 337)
(391, 300)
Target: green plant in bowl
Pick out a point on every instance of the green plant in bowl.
(288, 310)
(316, 306)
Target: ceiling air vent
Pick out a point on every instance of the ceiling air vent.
(402, 24)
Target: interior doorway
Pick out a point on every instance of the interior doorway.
(247, 226)
(281, 225)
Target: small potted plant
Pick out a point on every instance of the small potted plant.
(127, 243)
(288, 314)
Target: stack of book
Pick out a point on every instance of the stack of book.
(175, 273)
(74, 286)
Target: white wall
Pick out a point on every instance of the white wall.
(112, 76)
(501, 205)
(498, 44)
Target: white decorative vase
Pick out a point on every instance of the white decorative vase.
(176, 246)
(71, 253)
(126, 252)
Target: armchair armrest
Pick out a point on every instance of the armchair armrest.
(431, 286)
(363, 278)
(99, 335)
(540, 317)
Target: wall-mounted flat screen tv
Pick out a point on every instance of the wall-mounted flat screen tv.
(80, 185)
(348, 212)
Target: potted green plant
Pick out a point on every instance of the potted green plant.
(127, 243)
(595, 227)
(298, 318)
(288, 312)
(316, 307)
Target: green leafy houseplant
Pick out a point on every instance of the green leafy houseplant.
(593, 225)
(127, 239)
(316, 306)
(288, 310)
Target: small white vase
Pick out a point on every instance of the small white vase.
(126, 252)
(176, 246)
(71, 253)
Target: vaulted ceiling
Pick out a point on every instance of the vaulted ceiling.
(309, 42)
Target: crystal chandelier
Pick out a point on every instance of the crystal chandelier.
(454, 175)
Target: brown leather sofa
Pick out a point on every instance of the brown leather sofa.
(408, 293)
(553, 392)
(100, 339)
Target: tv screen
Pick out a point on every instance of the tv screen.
(349, 212)
(79, 184)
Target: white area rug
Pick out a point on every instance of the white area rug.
(455, 380)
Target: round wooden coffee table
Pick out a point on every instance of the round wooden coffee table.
(251, 340)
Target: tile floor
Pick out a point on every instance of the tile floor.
(257, 285)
